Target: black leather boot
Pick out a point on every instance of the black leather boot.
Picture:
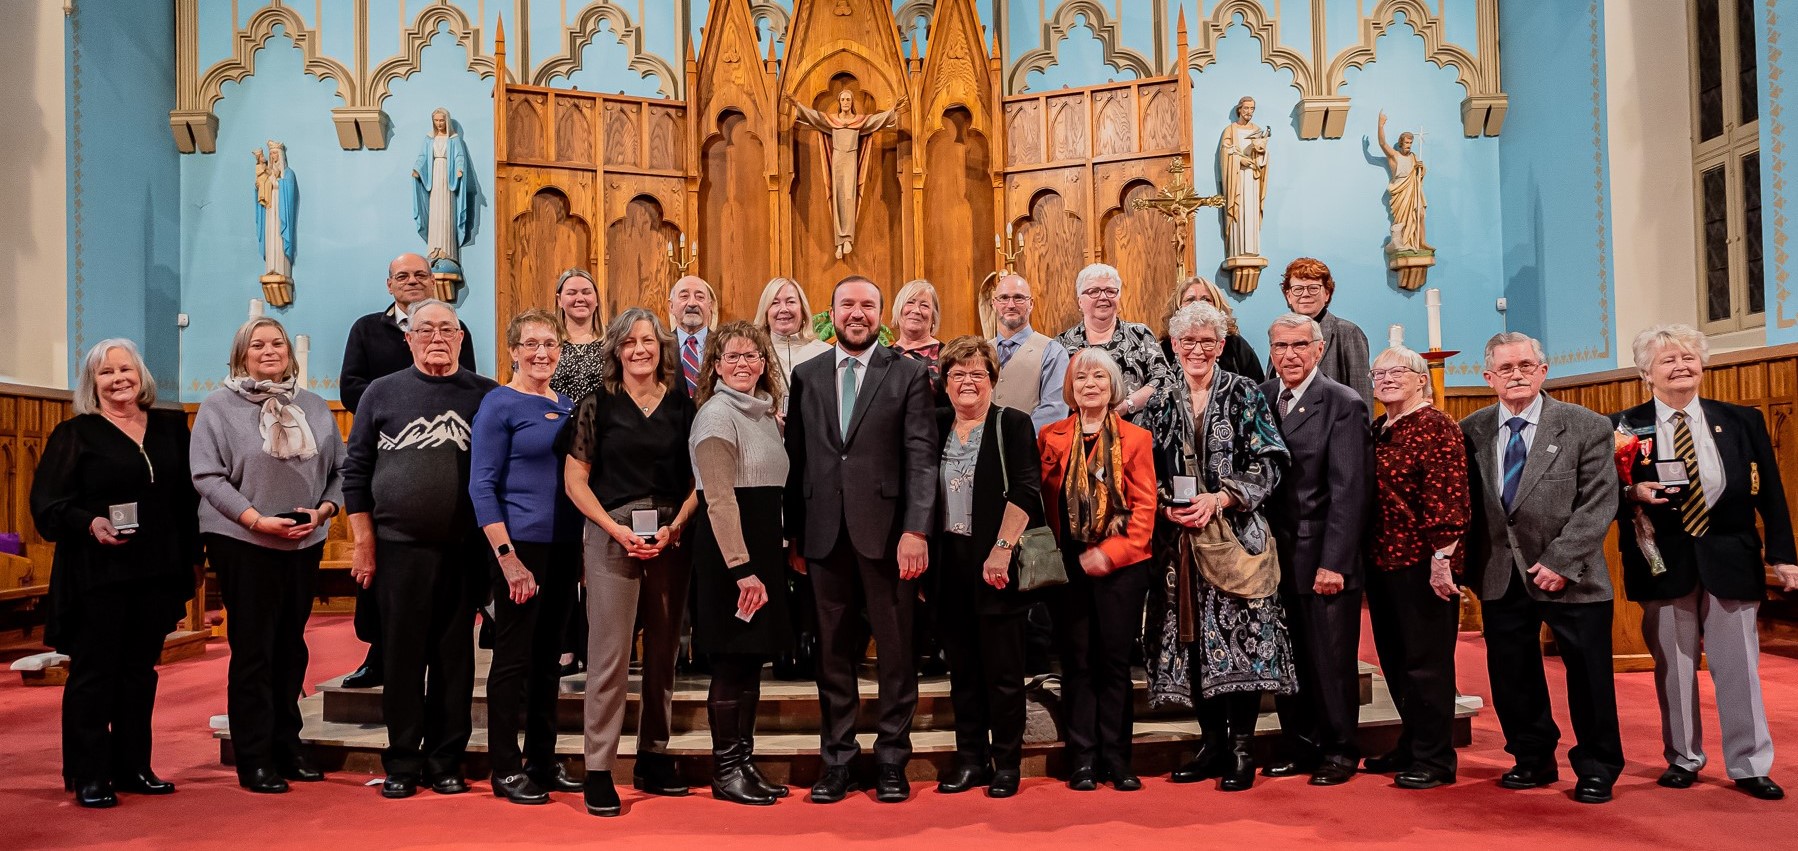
(746, 710)
(601, 796)
(1239, 766)
(1213, 744)
(656, 774)
(731, 777)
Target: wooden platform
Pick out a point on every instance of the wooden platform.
(344, 730)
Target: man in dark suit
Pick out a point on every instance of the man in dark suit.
(377, 348)
(1544, 492)
(862, 441)
(1706, 589)
(1309, 289)
(1319, 515)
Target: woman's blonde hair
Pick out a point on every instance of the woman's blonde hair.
(770, 293)
(240, 347)
(87, 391)
(911, 291)
(1212, 294)
(1106, 362)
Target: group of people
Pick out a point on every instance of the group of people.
(1170, 496)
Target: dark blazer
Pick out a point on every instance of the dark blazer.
(1564, 505)
(881, 480)
(1059, 439)
(376, 348)
(1321, 509)
(1022, 466)
(1729, 560)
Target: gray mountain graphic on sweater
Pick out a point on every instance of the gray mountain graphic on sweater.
(447, 427)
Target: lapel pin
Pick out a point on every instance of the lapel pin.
(1301, 410)
(1553, 448)
(1717, 429)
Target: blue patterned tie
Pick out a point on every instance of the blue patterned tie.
(1515, 454)
(1007, 348)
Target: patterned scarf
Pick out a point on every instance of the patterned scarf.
(285, 432)
(1093, 495)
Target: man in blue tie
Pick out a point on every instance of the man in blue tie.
(692, 313)
(1032, 367)
(1544, 490)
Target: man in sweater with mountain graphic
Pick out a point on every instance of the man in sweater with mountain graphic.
(406, 491)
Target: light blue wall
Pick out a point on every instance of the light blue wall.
(1555, 184)
(355, 209)
(124, 224)
(1779, 105)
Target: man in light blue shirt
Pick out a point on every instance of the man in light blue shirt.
(1032, 367)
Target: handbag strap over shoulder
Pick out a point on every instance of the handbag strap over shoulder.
(1004, 474)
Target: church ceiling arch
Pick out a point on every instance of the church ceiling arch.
(1266, 31)
(413, 41)
(582, 33)
(1092, 15)
(1484, 109)
(248, 42)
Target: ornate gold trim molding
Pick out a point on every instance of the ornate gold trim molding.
(586, 28)
(1055, 29)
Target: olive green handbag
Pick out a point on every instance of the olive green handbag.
(1038, 558)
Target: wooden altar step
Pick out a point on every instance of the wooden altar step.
(787, 738)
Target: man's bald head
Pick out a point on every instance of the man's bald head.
(1011, 302)
(409, 279)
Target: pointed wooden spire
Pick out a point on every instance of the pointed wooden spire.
(1180, 28)
(499, 47)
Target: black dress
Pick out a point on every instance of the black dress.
(110, 606)
(717, 629)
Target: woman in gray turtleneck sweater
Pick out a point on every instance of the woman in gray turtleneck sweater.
(739, 563)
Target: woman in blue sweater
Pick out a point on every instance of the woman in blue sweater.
(516, 484)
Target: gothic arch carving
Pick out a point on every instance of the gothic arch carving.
(412, 46)
(1055, 29)
(776, 16)
(250, 40)
(1470, 71)
(1266, 31)
(582, 33)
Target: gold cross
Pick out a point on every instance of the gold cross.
(1177, 201)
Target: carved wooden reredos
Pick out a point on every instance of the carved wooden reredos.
(607, 182)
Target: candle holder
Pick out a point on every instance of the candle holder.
(1438, 361)
(1009, 248)
(685, 258)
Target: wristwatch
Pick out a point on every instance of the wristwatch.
(503, 550)
(1003, 544)
(1442, 555)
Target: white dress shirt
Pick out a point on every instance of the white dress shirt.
(1298, 393)
(1710, 462)
(1532, 415)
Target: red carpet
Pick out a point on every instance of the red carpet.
(210, 811)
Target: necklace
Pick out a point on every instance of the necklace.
(647, 404)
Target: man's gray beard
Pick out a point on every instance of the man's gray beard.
(1014, 325)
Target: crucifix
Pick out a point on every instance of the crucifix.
(1177, 201)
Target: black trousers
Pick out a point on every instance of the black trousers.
(268, 597)
(982, 630)
(523, 676)
(1320, 720)
(111, 692)
(1520, 687)
(1097, 622)
(1414, 633)
(842, 584)
(427, 619)
(367, 620)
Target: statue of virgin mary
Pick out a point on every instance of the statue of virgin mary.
(443, 196)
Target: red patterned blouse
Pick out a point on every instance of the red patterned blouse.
(1420, 466)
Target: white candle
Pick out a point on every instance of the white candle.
(683, 242)
(670, 249)
(1432, 299)
(302, 350)
(999, 242)
(255, 308)
(1395, 336)
(1008, 231)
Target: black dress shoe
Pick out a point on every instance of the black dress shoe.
(552, 776)
(1678, 778)
(890, 785)
(399, 786)
(656, 774)
(834, 786)
(1332, 774)
(299, 770)
(519, 789)
(1004, 783)
(1122, 779)
(363, 677)
(601, 795)
(962, 778)
(1592, 790)
(449, 784)
(1288, 768)
(95, 794)
(1084, 779)
(143, 782)
(1239, 772)
(263, 781)
(1761, 787)
(1419, 778)
(1529, 776)
(1386, 764)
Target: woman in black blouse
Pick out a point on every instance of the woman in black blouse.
(113, 492)
(629, 454)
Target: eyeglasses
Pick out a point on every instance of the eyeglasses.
(1012, 299)
(735, 358)
(1100, 292)
(434, 332)
(1187, 344)
(963, 376)
(1278, 348)
(1308, 289)
(1524, 368)
(538, 345)
(1395, 373)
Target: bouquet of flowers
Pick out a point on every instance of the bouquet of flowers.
(1628, 446)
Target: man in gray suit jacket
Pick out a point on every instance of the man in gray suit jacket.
(863, 450)
(1319, 514)
(1545, 490)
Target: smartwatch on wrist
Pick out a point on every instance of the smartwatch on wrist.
(503, 550)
